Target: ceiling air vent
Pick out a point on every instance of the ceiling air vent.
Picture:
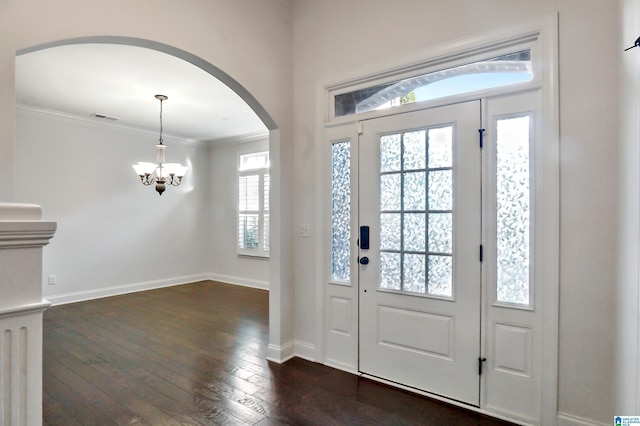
(104, 117)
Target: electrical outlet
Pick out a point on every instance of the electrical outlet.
(305, 231)
(52, 279)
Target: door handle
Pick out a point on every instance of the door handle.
(364, 260)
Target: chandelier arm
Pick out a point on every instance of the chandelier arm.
(147, 179)
(148, 182)
(175, 180)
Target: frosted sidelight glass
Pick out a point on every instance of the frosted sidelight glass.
(513, 210)
(341, 212)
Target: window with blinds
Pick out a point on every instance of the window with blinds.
(253, 204)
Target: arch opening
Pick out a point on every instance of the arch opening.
(204, 65)
(92, 204)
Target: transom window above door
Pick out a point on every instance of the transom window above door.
(497, 71)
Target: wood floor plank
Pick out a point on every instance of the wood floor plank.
(103, 404)
(75, 405)
(155, 359)
(196, 355)
(56, 414)
(133, 401)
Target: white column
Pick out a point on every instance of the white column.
(22, 236)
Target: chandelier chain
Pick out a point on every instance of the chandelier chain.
(161, 120)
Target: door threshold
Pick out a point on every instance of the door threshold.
(460, 404)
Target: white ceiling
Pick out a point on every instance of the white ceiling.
(121, 81)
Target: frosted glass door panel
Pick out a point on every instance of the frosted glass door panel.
(416, 210)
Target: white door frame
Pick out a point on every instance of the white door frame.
(544, 35)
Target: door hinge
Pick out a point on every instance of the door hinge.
(480, 361)
(481, 134)
(359, 128)
(481, 252)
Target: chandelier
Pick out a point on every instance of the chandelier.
(160, 173)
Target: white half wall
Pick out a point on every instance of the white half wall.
(22, 236)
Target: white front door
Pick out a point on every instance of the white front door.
(420, 277)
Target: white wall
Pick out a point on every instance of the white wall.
(117, 235)
(250, 41)
(227, 265)
(114, 233)
(334, 39)
(628, 307)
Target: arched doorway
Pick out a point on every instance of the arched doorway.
(214, 72)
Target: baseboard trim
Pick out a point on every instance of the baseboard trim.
(565, 419)
(305, 350)
(82, 296)
(281, 353)
(245, 282)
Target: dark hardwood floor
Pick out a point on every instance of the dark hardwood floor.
(195, 355)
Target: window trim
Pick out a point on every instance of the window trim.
(467, 52)
(528, 112)
(333, 279)
(263, 174)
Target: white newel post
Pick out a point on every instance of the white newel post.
(22, 236)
